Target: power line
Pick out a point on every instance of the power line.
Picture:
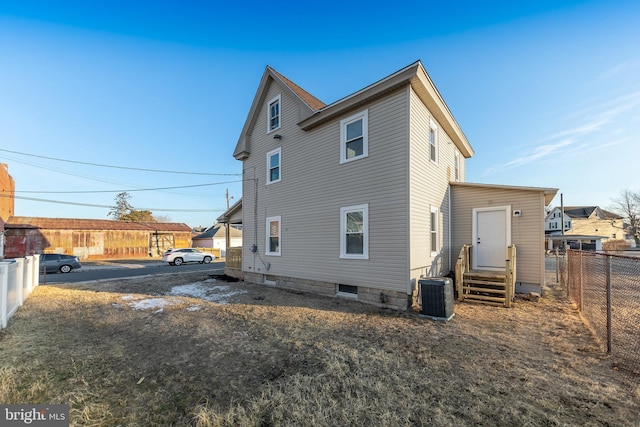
(87, 177)
(125, 191)
(120, 167)
(107, 206)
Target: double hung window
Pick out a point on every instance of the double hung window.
(273, 114)
(354, 232)
(456, 165)
(354, 137)
(273, 166)
(435, 243)
(273, 236)
(433, 141)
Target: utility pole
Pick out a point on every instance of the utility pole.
(228, 198)
(227, 228)
(562, 211)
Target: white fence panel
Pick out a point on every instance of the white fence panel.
(17, 279)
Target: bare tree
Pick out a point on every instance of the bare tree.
(162, 218)
(627, 204)
(123, 211)
(122, 207)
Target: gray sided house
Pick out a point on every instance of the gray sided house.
(353, 198)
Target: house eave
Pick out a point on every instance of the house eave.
(549, 193)
(226, 216)
(414, 75)
(242, 155)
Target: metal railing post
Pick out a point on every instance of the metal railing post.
(607, 264)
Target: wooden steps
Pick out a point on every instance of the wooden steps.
(485, 287)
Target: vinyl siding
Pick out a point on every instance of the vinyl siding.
(527, 231)
(315, 186)
(429, 183)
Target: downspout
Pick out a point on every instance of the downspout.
(449, 224)
(227, 239)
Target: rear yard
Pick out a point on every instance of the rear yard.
(188, 350)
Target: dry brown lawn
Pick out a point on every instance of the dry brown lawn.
(271, 357)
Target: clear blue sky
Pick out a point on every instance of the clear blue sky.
(547, 92)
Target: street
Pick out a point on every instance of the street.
(119, 269)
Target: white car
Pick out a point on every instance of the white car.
(180, 256)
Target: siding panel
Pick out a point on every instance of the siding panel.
(527, 231)
(315, 186)
(429, 183)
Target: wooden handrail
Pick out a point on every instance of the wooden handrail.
(510, 275)
(462, 266)
(486, 286)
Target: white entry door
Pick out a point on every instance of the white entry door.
(491, 236)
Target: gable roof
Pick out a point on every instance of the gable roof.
(229, 213)
(314, 112)
(586, 211)
(309, 99)
(91, 224)
(307, 103)
(218, 231)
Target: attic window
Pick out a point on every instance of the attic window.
(273, 114)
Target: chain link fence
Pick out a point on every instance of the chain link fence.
(606, 289)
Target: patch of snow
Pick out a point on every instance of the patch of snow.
(220, 294)
(204, 290)
(152, 303)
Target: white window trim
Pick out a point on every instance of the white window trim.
(268, 235)
(364, 115)
(434, 210)
(277, 151)
(277, 98)
(433, 126)
(457, 173)
(343, 231)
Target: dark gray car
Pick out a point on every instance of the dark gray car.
(58, 262)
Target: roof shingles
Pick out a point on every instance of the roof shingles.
(311, 100)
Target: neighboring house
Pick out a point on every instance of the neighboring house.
(92, 238)
(353, 198)
(216, 237)
(587, 220)
(554, 220)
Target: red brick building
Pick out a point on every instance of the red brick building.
(7, 191)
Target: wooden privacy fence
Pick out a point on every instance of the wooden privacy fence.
(17, 279)
(215, 251)
(234, 258)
